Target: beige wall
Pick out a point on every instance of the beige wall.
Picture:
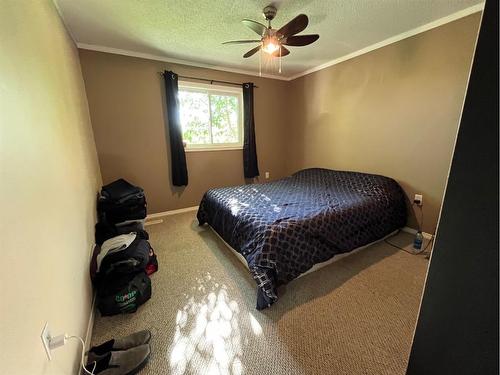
(127, 107)
(394, 111)
(49, 176)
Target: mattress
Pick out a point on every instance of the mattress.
(285, 227)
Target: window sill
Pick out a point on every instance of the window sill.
(213, 149)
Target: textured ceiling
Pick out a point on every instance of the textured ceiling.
(193, 30)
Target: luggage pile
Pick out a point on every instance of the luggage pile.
(123, 259)
(121, 208)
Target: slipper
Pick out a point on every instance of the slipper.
(125, 362)
(119, 344)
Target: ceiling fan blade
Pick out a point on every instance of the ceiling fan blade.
(241, 41)
(255, 26)
(284, 52)
(252, 52)
(295, 26)
(300, 40)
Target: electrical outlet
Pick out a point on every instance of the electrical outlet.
(267, 175)
(419, 199)
(45, 336)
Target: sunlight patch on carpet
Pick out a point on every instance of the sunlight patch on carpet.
(207, 336)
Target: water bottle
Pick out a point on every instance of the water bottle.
(417, 243)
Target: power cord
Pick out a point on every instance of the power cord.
(409, 252)
(82, 362)
(421, 223)
(420, 228)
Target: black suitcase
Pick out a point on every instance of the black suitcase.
(121, 201)
(123, 212)
(120, 191)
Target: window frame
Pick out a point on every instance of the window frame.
(211, 89)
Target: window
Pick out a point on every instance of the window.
(211, 116)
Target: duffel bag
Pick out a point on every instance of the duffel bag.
(104, 230)
(101, 277)
(123, 294)
(132, 259)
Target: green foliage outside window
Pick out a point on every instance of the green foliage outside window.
(209, 118)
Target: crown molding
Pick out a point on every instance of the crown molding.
(148, 56)
(394, 39)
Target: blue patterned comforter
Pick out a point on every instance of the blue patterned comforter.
(285, 227)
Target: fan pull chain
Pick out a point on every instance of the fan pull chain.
(260, 60)
(279, 71)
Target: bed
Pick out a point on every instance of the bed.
(284, 228)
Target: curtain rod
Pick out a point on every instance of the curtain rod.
(211, 80)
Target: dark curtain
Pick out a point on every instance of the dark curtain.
(177, 154)
(250, 164)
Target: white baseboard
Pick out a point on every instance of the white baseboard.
(426, 235)
(90, 324)
(153, 222)
(169, 213)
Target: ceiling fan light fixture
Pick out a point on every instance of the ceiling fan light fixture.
(270, 45)
(273, 42)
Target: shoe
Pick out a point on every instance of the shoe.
(119, 344)
(125, 362)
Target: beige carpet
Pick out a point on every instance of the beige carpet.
(355, 316)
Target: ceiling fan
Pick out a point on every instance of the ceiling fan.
(273, 41)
